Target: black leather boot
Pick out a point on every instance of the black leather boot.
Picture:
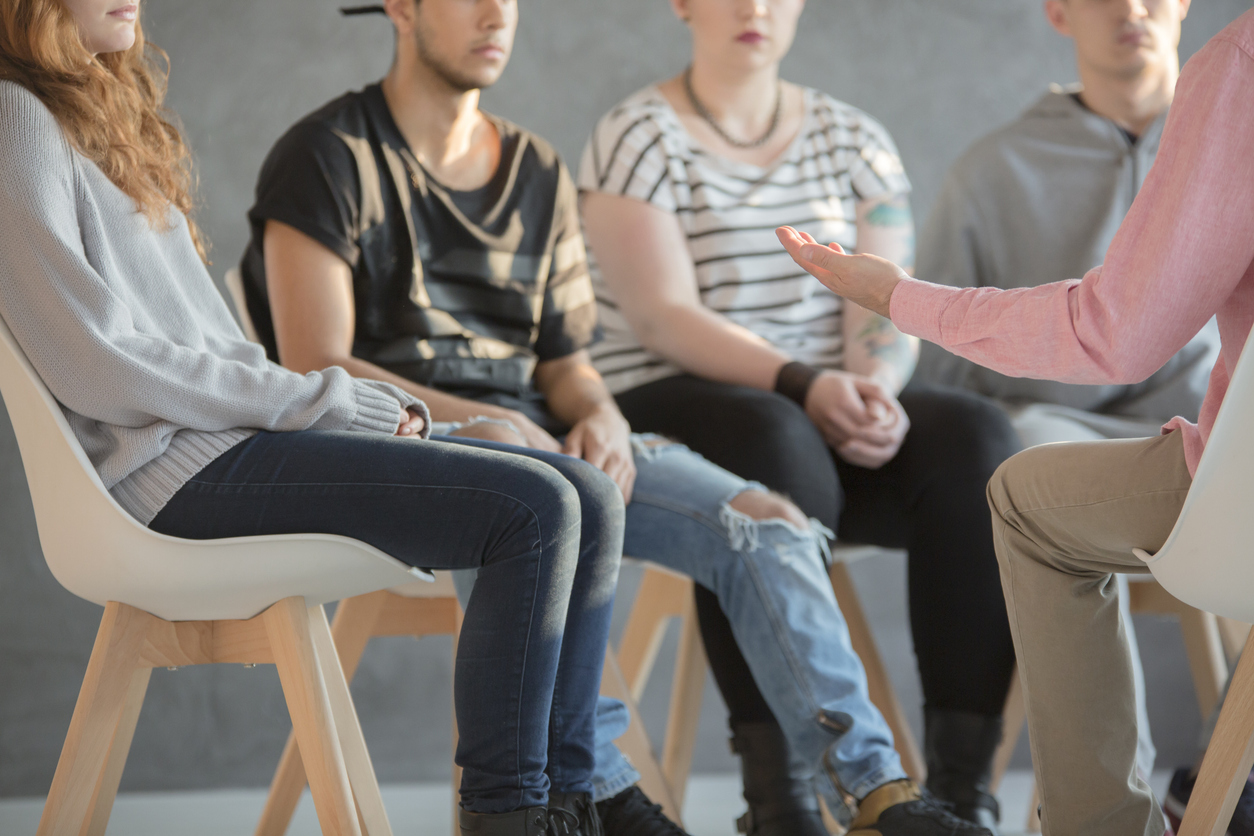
(581, 817)
(781, 799)
(959, 747)
(530, 821)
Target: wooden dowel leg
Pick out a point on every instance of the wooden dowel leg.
(1207, 661)
(97, 714)
(1228, 760)
(661, 596)
(687, 690)
(457, 770)
(635, 743)
(361, 776)
(289, 629)
(354, 622)
(111, 777)
(878, 683)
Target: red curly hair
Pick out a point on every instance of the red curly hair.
(110, 106)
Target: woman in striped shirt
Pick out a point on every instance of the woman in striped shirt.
(715, 336)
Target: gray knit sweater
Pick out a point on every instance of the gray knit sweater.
(128, 332)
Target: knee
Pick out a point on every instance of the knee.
(970, 434)
(762, 506)
(598, 497)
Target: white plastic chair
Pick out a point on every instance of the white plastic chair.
(1208, 562)
(172, 602)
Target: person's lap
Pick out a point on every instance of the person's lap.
(545, 539)
(1065, 517)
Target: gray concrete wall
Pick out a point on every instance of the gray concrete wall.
(938, 74)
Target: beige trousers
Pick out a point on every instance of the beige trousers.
(1066, 517)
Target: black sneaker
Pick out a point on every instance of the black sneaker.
(901, 809)
(1181, 787)
(573, 814)
(631, 813)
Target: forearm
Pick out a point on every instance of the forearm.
(443, 406)
(577, 393)
(706, 344)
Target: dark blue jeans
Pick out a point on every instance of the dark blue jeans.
(545, 532)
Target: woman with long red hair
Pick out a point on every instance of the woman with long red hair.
(197, 435)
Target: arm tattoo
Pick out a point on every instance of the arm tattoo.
(884, 342)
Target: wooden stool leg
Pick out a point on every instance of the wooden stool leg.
(687, 690)
(1228, 760)
(878, 683)
(354, 622)
(1013, 717)
(361, 777)
(289, 629)
(1206, 657)
(81, 783)
(107, 789)
(635, 742)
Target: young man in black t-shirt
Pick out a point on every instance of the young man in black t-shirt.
(406, 235)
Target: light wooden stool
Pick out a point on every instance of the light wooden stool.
(1211, 646)
(665, 595)
(424, 609)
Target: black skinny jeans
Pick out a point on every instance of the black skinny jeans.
(928, 500)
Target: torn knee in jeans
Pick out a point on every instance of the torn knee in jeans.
(748, 511)
(758, 504)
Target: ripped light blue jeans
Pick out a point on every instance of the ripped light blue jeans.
(771, 578)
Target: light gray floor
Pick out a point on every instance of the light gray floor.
(713, 804)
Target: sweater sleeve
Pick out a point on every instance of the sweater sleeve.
(81, 338)
(1178, 257)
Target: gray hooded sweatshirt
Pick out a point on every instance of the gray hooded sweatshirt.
(1039, 201)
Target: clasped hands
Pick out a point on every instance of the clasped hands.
(858, 417)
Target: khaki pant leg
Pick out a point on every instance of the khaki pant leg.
(1065, 517)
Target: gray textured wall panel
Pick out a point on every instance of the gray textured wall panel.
(938, 73)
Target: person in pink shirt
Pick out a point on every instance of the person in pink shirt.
(1067, 516)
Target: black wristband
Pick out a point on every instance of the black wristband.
(794, 381)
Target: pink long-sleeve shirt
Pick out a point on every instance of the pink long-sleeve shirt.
(1185, 253)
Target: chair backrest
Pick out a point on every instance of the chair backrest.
(99, 552)
(1208, 560)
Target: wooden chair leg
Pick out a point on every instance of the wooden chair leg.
(1228, 760)
(635, 742)
(81, 787)
(1207, 661)
(457, 770)
(687, 690)
(1013, 716)
(878, 682)
(361, 777)
(354, 622)
(1234, 634)
(107, 788)
(662, 596)
(289, 628)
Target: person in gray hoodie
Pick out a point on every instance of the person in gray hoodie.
(1042, 197)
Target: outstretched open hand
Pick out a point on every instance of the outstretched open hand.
(865, 280)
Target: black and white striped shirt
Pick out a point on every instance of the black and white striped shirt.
(729, 211)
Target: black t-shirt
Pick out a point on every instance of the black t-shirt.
(463, 291)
